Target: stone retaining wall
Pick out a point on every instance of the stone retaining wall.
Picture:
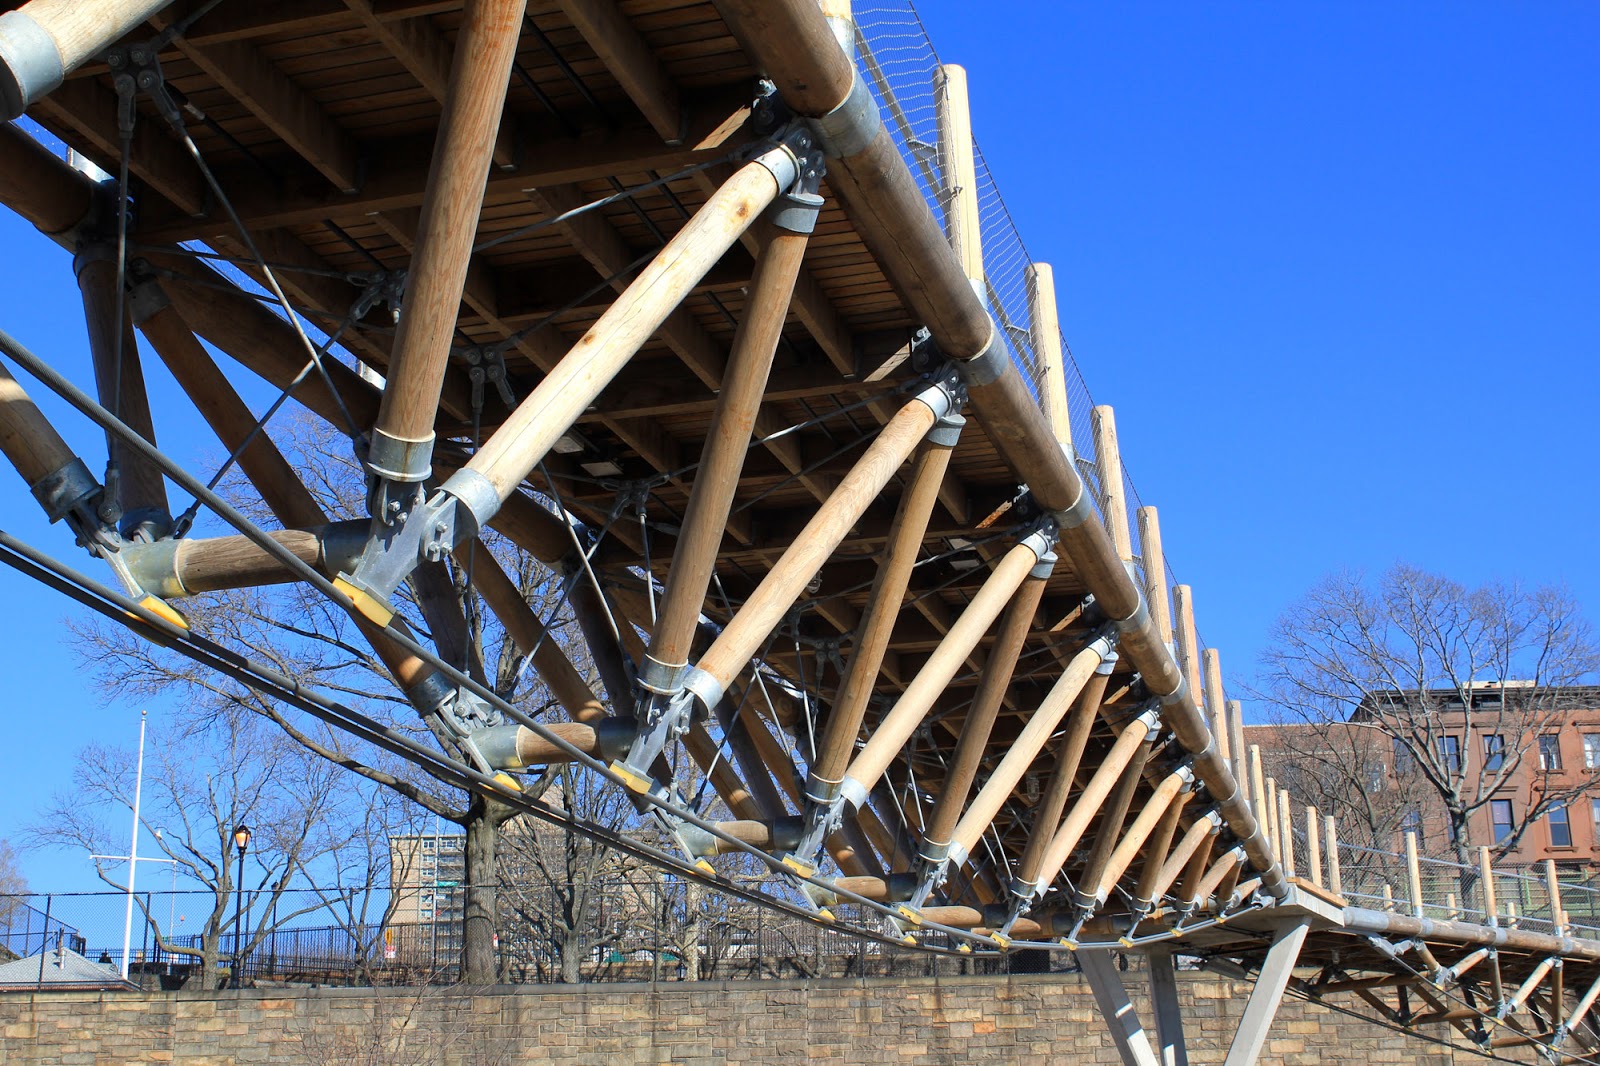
(1034, 1019)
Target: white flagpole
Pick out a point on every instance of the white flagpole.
(133, 850)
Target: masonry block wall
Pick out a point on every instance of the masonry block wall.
(1035, 1019)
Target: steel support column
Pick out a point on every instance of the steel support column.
(1262, 1006)
(1127, 1032)
(1170, 1047)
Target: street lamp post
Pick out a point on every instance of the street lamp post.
(241, 838)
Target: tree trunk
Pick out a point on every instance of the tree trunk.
(571, 947)
(480, 911)
(691, 932)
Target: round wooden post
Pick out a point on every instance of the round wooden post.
(566, 392)
(1313, 847)
(765, 607)
(1335, 874)
(902, 720)
(463, 149)
(1188, 639)
(1414, 875)
(963, 225)
(1216, 704)
(717, 478)
(1113, 495)
(1155, 573)
(1235, 716)
(1045, 334)
(1286, 832)
(1257, 785)
(889, 585)
(985, 708)
(1269, 817)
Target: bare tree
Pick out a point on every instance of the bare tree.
(568, 896)
(12, 883)
(1430, 667)
(13, 886)
(299, 633)
(198, 788)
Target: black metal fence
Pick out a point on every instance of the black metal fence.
(645, 930)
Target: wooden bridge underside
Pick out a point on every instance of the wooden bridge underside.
(319, 120)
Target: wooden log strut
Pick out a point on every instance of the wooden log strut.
(401, 445)
(43, 41)
(1069, 755)
(473, 495)
(772, 598)
(1165, 799)
(1201, 830)
(1155, 855)
(29, 441)
(902, 720)
(717, 478)
(889, 585)
(974, 739)
(525, 438)
(1113, 816)
(1130, 739)
(1041, 724)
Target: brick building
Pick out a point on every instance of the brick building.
(1532, 754)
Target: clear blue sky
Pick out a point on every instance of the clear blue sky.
(1336, 265)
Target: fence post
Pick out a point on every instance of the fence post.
(1335, 877)
(655, 931)
(44, 938)
(1414, 874)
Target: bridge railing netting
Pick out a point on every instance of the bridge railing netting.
(898, 61)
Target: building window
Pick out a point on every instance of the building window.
(1411, 822)
(1594, 814)
(1494, 752)
(1549, 751)
(1500, 815)
(1560, 827)
(1591, 751)
(1374, 775)
(1402, 757)
(1450, 754)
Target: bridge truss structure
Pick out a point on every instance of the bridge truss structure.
(711, 308)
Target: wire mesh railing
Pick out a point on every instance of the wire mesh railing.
(1447, 890)
(898, 62)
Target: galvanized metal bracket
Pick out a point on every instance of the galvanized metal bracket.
(851, 126)
(426, 530)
